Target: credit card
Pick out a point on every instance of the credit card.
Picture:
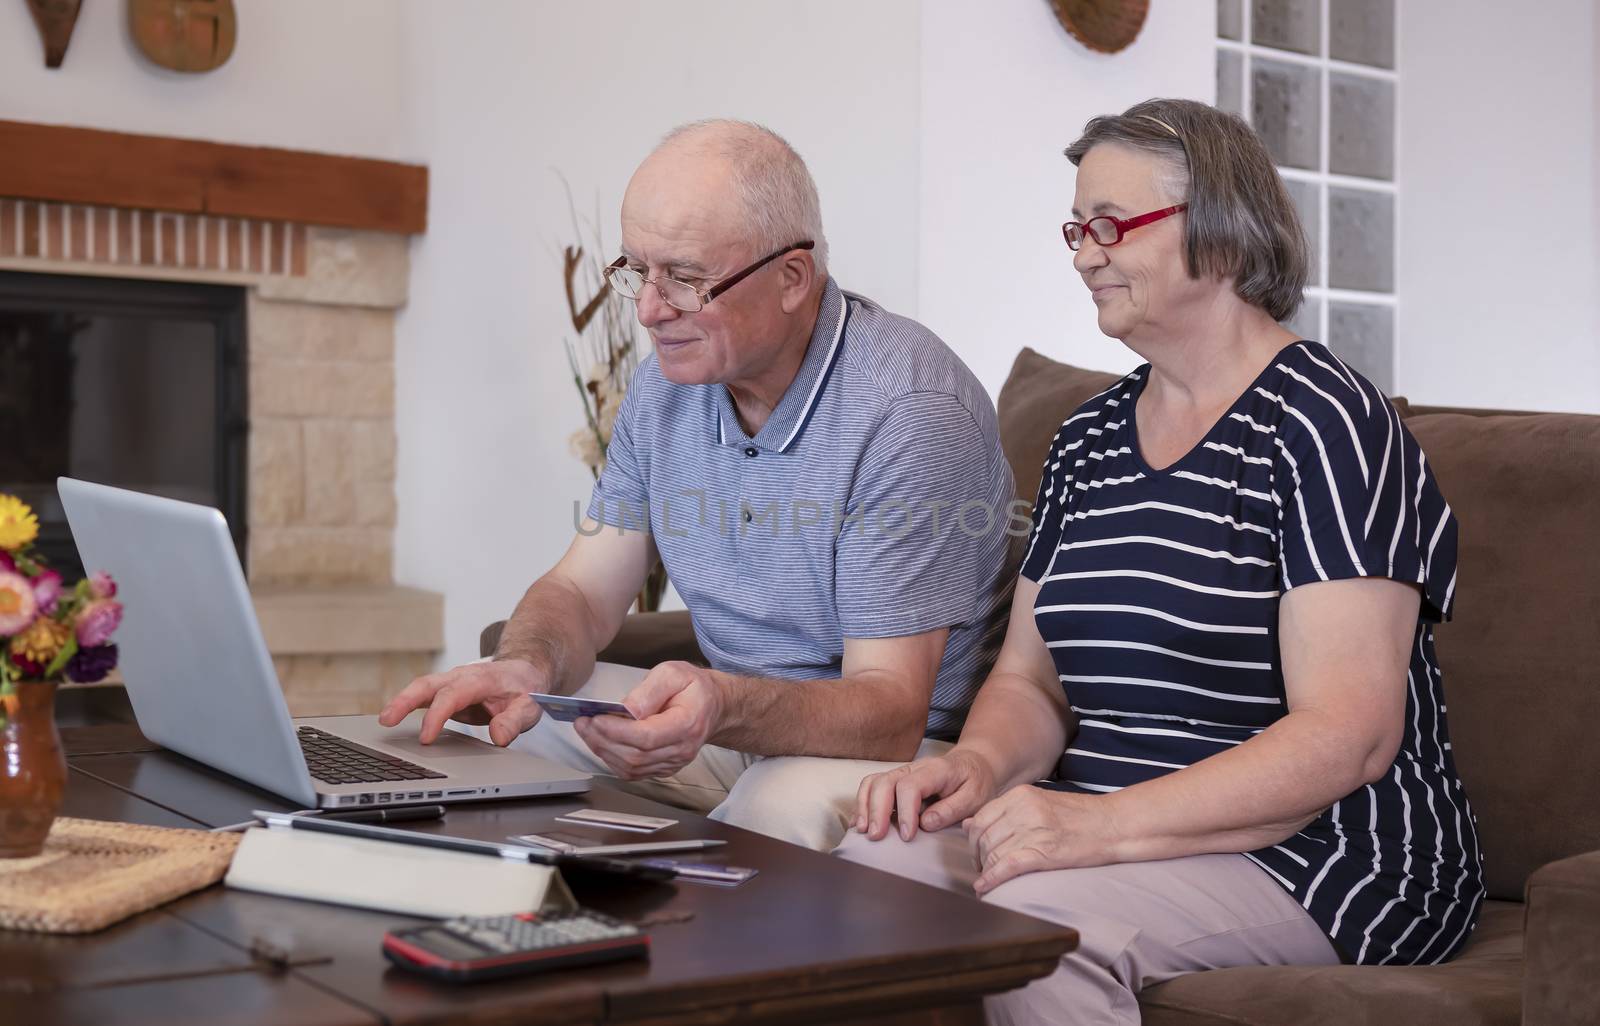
(567, 708)
(620, 820)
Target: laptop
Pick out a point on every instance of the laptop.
(202, 683)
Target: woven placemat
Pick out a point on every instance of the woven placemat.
(93, 873)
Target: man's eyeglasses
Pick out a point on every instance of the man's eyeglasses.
(1108, 231)
(681, 295)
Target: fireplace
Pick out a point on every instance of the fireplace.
(216, 323)
(138, 384)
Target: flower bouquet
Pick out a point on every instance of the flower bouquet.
(48, 633)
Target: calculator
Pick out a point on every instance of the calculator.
(483, 948)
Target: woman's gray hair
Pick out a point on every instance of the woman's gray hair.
(772, 183)
(1241, 223)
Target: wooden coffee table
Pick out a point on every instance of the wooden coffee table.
(811, 939)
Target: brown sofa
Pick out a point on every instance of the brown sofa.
(1521, 667)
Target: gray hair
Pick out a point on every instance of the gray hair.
(1241, 223)
(772, 183)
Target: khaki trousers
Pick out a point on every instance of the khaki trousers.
(1139, 923)
(803, 800)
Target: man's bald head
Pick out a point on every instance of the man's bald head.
(762, 187)
(714, 199)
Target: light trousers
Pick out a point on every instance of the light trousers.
(1139, 923)
(800, 799)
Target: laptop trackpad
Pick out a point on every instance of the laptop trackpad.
(401, 739)
(449, 744)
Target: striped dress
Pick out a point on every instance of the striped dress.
(1159, 597)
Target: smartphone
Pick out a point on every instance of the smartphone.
(566, 708)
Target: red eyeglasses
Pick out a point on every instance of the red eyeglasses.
(1108, 231)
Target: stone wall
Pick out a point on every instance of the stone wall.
(322, 443)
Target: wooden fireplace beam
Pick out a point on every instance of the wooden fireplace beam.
(148, 172)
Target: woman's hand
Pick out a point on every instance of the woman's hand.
(1028, 829)
(961, 778)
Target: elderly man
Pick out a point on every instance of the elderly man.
(824, 483)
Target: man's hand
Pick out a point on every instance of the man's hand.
(495, 693)
(1029, 829)
(962, 779)
(678, 706)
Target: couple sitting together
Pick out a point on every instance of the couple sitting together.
(1203, 725)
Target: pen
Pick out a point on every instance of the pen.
(322, 825)
(405, 814)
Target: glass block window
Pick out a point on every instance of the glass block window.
(1317, 79)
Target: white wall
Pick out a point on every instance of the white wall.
(305, 74)
(1004, 90)
(500, 102)
(934, 129)
(1499, 274)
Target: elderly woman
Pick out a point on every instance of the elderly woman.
(1215, 735)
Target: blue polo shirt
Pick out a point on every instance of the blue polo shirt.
(875, 502)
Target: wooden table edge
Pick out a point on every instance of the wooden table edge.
(740, 997)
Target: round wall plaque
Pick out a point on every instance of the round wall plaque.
(184, 35)
(1103, 25)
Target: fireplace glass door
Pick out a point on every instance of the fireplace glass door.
(138, 384)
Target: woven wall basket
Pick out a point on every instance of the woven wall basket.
(92, 874)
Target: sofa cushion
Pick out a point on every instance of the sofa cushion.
(1520, 658)
(1037, 396)
(1481, 987)
(647, 639)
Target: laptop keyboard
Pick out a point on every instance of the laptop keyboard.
(334, 760)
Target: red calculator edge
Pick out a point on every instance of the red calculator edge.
(409, 955)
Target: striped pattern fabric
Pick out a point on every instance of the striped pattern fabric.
(1159, 603)
(871, 504)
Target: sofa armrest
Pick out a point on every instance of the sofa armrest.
(644, 640)
(1561, 943)
(650, 638)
